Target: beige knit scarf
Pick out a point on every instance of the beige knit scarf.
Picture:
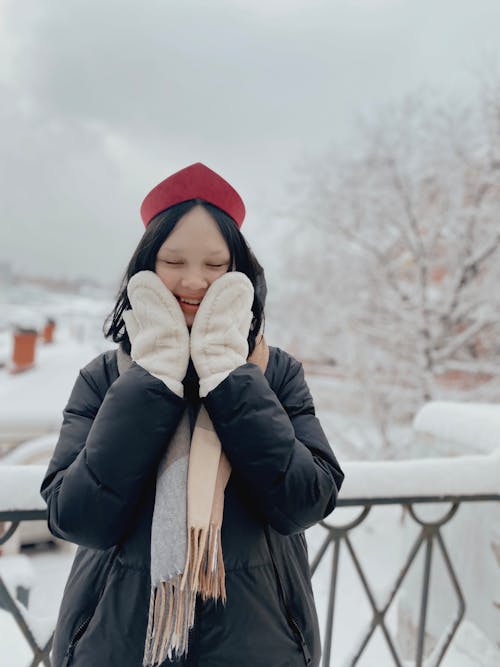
(186, 550)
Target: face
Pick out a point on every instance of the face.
(191, 258)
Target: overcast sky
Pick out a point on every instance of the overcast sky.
(100, 100)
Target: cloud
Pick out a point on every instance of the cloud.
(99, 101)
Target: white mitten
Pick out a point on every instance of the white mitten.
(157, 330)
(220, 329)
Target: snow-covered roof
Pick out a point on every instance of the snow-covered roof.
(31, 403)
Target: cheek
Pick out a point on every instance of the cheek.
(166, 275)
(216, 274)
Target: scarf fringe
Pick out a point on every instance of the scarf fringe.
(212, 577)
(172, 603)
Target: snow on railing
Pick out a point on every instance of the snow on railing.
(20, 488)
(439, 478)
(433, 478)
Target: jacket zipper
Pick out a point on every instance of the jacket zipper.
(83, 626)
(290, 619)
(76, 637)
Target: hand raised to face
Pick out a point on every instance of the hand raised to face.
(219, 334)
(157, 330)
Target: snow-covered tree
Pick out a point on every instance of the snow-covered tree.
(397, 257)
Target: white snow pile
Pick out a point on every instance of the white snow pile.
(20, 487)
(473, 427)
(41, 627)
(469, 648)
(436, 477)
(22, 317)
(464, 476)
(6, 345)
(31, 403)
(469, 426)
(38, 450)
(16, 571)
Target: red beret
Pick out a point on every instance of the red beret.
(195, 181)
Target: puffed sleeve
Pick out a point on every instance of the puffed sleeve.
(276, 445)
(107, 453)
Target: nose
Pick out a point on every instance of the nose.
(194, 281)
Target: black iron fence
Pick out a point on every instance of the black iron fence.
(337, 539)
(429, 539)
(14, 602)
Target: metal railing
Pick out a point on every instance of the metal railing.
(429, 539)
(41, 653)
(338, 538)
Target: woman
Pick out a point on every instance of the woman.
(190, 460)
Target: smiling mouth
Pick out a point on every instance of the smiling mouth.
(193, 303)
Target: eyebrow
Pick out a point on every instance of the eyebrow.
(179, 252)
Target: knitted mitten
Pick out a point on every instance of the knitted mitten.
(157, 330)
(220, 329)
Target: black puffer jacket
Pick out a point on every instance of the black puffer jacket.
(100, 489)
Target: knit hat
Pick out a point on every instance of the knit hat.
(193, 182)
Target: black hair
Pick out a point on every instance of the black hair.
(144, 258)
